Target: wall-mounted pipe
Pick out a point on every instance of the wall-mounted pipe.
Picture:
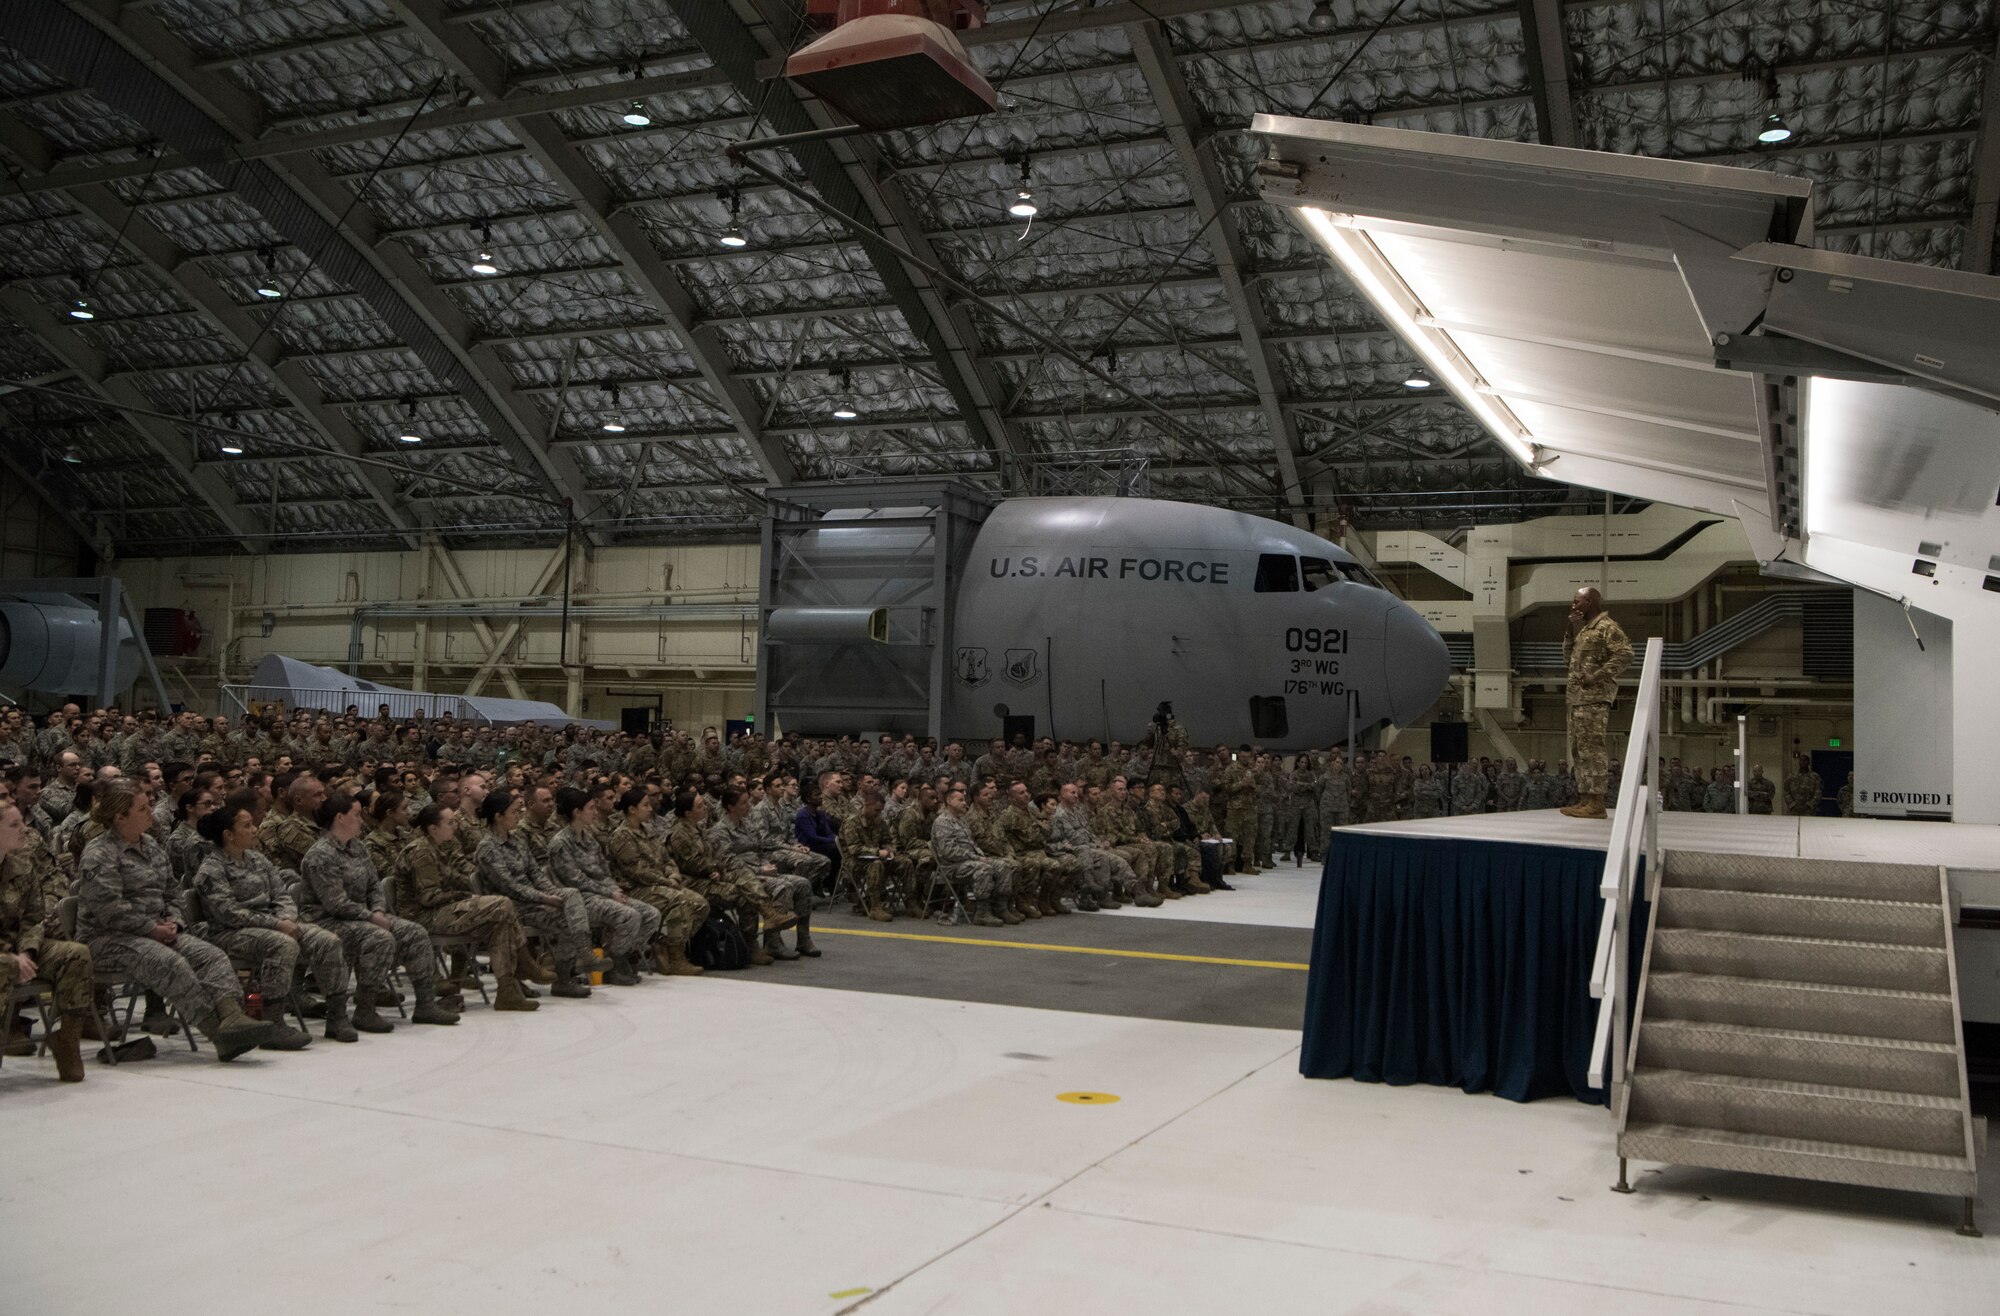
(685, 612)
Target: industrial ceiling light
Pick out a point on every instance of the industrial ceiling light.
(1774, 128)
(80, 309)
(1321, 18)
(409, 433)
(1418, 380)
(733, 236)
(72, 456)
(1108, 389)
(1023, 206)
(612, 424)
(268, 287)
(232, 446)
(483, 263)
(843, 402)
(636, 116)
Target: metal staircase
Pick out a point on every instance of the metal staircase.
(1800, 1018)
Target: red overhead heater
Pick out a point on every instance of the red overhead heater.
(893, 63)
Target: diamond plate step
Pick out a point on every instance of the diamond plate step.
(1800, 1158)
(1803, 877)
(1866, 1117)
(1806, 1006)
(1890, 1063)
(1904, 923)
(1802, 959)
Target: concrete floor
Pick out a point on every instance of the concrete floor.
(805, 1139)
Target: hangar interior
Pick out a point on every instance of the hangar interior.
(438, 344)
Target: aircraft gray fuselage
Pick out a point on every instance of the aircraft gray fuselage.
(1085, 613)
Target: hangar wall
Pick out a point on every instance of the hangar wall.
(34, 540)
(696, 660)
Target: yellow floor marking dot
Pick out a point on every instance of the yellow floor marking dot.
(849, 1293)
(1087, 1098)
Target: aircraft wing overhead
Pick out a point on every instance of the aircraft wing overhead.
(1550, 290)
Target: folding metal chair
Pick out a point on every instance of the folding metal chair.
(118, 986)
(38, 990)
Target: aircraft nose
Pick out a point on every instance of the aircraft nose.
(1418, 664)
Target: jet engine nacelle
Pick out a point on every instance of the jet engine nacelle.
(1085, 613)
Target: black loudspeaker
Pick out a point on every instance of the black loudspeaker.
(1450, 742)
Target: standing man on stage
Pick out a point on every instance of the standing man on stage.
(1598, 655)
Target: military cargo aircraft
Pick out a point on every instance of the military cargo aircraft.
(1086, 613)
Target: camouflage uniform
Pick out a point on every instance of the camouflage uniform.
(342, 889)
(508, 868)
(983, 821)
(122, 892)
(1427, 796)
(438, 889)
(185, 852)
(861, 842)
(1802, 792)
(913, 841)
(576, 861)
(1239, 812)
(1691, 793)
(286, 837)
(1468, 790)
(1538, 790)
(1507, 792)
(1117, 827)
(1598, 655)
(729, 889)
(1335, 802)
(741, 849)
(638, 863)
(1268, 791)
(961, 862)
(1384, 785)
(1027, 837)
(1101, 874)
(1719, 797)
(244, 899)
(1763, 792)
(1299, 828)
(30, 887)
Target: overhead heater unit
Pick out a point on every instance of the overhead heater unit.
(893, 63)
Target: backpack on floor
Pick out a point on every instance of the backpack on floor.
(718, 944)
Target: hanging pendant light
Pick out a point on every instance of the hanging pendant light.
(483, 263)
(1023, 205)
(843, 402)
(733, 236)
(267, 287)
(612, 423)
(1321, 19)
(409, 433)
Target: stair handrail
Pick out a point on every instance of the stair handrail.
(1634, 834)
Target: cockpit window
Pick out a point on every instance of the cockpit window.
(1277, 573)
(1357, 573)
(1317, 572)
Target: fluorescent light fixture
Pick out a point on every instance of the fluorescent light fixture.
(1775, 129)
(79, 309)
(1363, 262)
(636, 116)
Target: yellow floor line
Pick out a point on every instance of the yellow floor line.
(1073, 950)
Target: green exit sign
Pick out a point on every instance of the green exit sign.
(1833, 743)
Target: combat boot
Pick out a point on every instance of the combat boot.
(1112, 899)
(568, 985)
(774, 946)
(532, 966)
(680, 966)
(365, 1019)
(427, 1010)
(1590, 806)
(509, 997)
(1087, 903)
(759, 957)
(1004, 907)
(236, 1032)
(1195, 886)
(1147, 899)
(663, 957)
(873, 908)
(156, 1020)
(1025, 906)
(1169, 889)
(1050, 905)
(337, 1027)
(777, 919)
(804, 937)
(622, 973)
(65, 1044)
(983, 916)
(287, 1037)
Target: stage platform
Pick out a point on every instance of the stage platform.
(1972, 851)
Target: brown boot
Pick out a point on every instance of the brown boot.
(680, 965)
(776, 919)
(1590, 806)
(20, 1037)
(93, 1029)
(65, 1044)
(532, 967)
(663, 958)
(1026, 906)
(759, 957)
(509, 997)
